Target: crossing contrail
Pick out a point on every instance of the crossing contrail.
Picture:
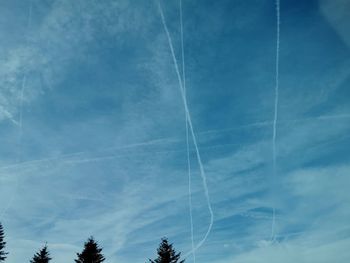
(190, 125)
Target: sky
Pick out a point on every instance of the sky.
(93, 129)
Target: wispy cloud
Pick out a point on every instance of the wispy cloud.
(104, 140)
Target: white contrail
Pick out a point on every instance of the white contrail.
(275, 111)
(20, 121)
(329, 117)
(24, 81)
(19, 140)
(71, 156)
(201, 168)
(6, 114)
(187, 137)
(268, 123)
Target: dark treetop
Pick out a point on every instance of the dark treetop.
(166, 253)
(91, 253)
(43, 256)
(2, 244)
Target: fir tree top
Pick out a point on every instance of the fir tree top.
(166, 253)
(91, 253)
(43, 256)
(2, 244)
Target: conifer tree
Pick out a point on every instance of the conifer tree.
(43, 256)
(91, 253)
(166, 253)
(2, 244)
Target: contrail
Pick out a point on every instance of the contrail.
(271, 122)
(187, 133)
(275, 111)
(202, 172)
(20, 122)
(8, 115)
(71, 156)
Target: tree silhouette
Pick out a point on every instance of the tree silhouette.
(2, 244)
(43, 256)
(91, 253)
(166, 253)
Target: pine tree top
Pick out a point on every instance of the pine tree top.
(43, 256)
(2, 244)
(166, 253)
(91, 253)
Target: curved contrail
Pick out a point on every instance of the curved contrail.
(189, 121)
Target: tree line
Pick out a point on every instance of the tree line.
(92, 252)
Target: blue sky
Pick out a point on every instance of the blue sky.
(93, 138)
